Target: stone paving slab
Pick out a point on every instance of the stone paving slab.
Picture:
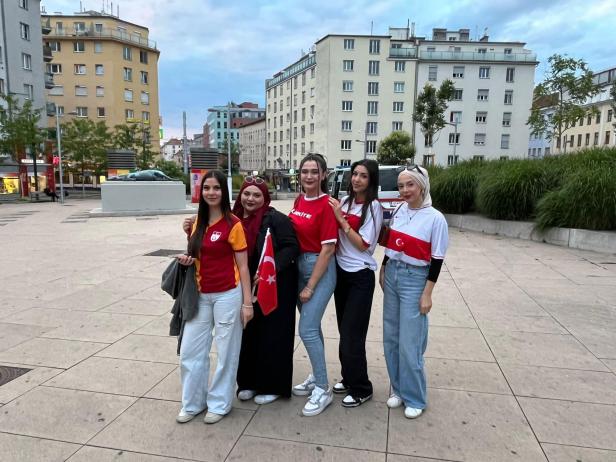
(560, 453)
(25, 448)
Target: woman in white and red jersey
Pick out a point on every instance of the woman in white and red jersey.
(360, 217)
(317, 232)
(415, 248)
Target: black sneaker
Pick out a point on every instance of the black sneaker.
(340, 388)
(352, 401)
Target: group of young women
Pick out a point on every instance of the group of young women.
(323, 248)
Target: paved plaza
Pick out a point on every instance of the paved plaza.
(521, 359)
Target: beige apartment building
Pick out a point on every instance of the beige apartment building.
(103, 68)
(252, 146)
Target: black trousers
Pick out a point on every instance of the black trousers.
(353, 297)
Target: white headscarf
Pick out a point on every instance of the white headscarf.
(420, 175)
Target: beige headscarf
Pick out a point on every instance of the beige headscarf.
(420, 175)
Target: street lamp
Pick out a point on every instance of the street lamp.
(455, 137)
(59, 141)
(365, 141)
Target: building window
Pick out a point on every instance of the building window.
(26, 61)
(373, 107)
(312, 129)
(482, 50)
(79, 46)
(28, 91)
(373, 67)
(579, 140)
(24, 30)
(82, 111)
(589, 119)
(127, 53)
(398, 87)
(458, 72)
(144, 78)
(55, 46)
(510, 74)
(345, 145)
(54, 68)
(130, 115)
(23, 4)
(349, 44)
(452, 160)
(371, 128)
(346, 106)
(480, 158)
(587, 141)
(480, 139)
(457, 94)
(100, 91)
(347, 85)
(481, 117)
(57, 90)
(396, 126)
(508, 97)
(373, 88)
(303, 114)
(371, 147)
(398, 106)
(432, 72)
(428, 139)
(598, 118)
(375, 47)
(145, 98)
(346, 125)
(454, 138)
(484, 72)
(506, 119)
(428, 160)
(505, 141)
(128, 74)
(99, 69)
(79, 69)
(399, 66)
(456, 117)
(482, 95)
(100, 112)
(507, 51)
(98, 47)
(143, 57)
(607, 137)
(610, 114)
(347, 65)
(81, 90)
(128, 95)
(595, 140)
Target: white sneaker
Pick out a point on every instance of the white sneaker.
(318, 401)
(394, 401)
(245, 395)
(211, 418)
(305, 388)
(266, 399)
(412, 412)
(184, 416)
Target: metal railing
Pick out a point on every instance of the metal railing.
(91, 32)
(403, 52)
(475, 56)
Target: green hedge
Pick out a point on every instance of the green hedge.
(453, 189)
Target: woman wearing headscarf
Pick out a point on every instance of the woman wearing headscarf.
(415, 243)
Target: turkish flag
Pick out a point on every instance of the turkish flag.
(409, 245)
(267, 292)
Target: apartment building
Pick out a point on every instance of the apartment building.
(598, 127)
(240, 114)
(252, 146)
(170, 149)
(21, 52)
(104, 68)
(351, 91)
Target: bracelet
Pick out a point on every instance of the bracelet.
(246, 306)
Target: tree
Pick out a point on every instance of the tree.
(86, 143)
(235, 156)
(430, 109)
(19, 128)
(570, 82)
(395, 149)
(135, 137)
(125, 136)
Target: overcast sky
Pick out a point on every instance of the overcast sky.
(214, 52)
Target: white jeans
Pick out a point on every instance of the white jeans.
(218, 312)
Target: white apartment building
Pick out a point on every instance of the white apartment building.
(171, 148)
(351, 91)
(252, 146)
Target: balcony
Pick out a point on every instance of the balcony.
(474, 56)
(403, 53)
(105, 33)
(47, 54)
(46, 27)
(49, 80)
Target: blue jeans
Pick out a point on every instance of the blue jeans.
(311, 313)
(405, 331)
(218, 312)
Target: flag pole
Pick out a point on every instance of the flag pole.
(254, 288)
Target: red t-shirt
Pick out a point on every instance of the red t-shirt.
(314, 223)
(215, 268)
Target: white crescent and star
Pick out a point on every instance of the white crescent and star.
(399, 242)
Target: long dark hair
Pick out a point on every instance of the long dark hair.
(372, 191)
(322, 166)
(203, 215)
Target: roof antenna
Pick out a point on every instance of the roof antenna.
(371, 26)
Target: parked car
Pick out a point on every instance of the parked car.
(142, 175)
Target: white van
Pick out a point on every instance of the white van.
(389, 197)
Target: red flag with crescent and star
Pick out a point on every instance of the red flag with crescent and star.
(267, 292)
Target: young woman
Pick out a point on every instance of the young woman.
(217, 247)
(415, 249)
(317, 232)
(266, 357)
(360, 217)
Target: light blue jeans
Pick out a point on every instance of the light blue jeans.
(311, 313)
(405, 331)
(218, 318)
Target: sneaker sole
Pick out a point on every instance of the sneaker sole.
(317, 411)
(357, 403)
(301, 392)
(340, 391)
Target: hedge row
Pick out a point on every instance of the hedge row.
(574, 190)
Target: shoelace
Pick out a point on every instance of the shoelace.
(315, 397)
